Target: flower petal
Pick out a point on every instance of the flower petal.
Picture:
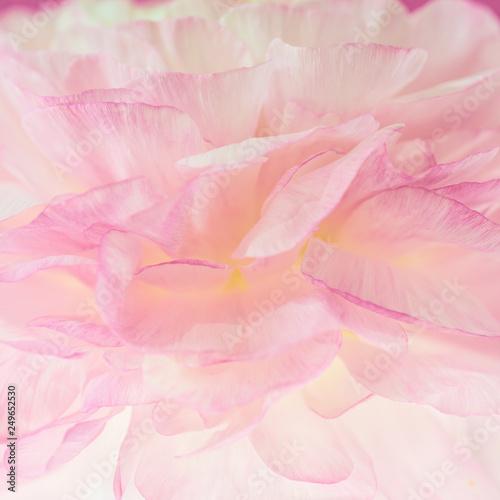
(432, 298)
(347, 79)
(106, 142)
(295, 212)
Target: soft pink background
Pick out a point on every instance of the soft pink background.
(494, 4)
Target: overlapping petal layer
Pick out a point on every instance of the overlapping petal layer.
(270, 228)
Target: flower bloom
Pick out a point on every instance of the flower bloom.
(259, 240)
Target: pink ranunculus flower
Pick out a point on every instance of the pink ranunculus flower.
(250, 250)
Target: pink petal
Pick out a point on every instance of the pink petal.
(54, 445)
(475, 195)
(106, 142)
(49, 385)
(118, 42)
(294, 24)
(20, 270)
(194, 45)
(438, 451)
(91, 333)
(335, 391)
(431, 297)
(456, 374)
(452, 173)
(226, 325)
(117, 389)
(171, 419)
(436, 113)
(54, 73)
(221, 387)
(210, 100)
(451, 32)
(416, 213)
(64, 224)
(314, 449)
(300, 206)
(369, 75)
